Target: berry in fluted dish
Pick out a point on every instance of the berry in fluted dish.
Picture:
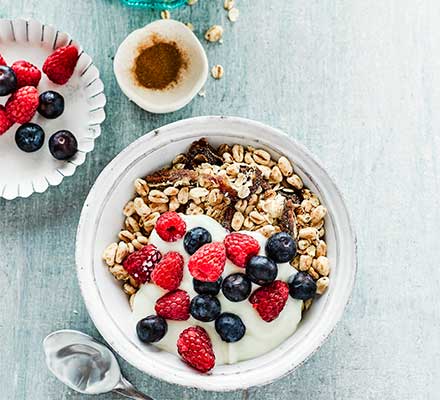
(27, 74)
(63, 145)
(8, 80)
(22, 105)
(51, 104)
(29, 137)
(59, 66)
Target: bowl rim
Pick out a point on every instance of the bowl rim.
(93, 126)
(95, 311)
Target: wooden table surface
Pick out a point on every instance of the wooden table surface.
(356, 81)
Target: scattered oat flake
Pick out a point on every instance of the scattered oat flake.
(202, 93)
(191, 2)
(190, 26)
(228, 4)
(217, 71)
(165, 14)
(214, 33)
(233, 14)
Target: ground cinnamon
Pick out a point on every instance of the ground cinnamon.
(159, 65)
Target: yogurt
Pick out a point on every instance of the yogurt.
(260, 336)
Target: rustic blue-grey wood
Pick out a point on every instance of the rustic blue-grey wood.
(356, 81)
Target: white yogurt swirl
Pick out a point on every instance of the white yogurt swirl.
(260, 336)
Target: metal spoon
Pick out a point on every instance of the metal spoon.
(85, 365)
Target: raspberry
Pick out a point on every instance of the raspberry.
(5, 122)
(240, 248)
(2, 61)
(195, 347)
(173, 305)
(27, 74)
(22, 104)
(170, 227)
(270, 300)
(59, 66)
(169, 271)
(208, 262)
(141, 263)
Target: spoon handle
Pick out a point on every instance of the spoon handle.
(126, 389)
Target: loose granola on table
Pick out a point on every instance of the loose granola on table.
(241, 187)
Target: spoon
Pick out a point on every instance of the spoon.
(85, 365)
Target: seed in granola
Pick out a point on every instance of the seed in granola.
(183, 195)
(295, 181)
(141, 187)
(238, 152)
(322, 285)
(237, 221)
(321, 249)
(285, 166)
(318, 214)
(214, 33)
(156, 196)
(217, 71)
(308, 233)
(305, 262)
(261, 157)
(129, 209)
(275, 175)
(109, 254)
(322, 266)
(233, 14)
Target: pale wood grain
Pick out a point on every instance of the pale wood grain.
(357, 82)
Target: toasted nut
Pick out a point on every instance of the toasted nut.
(322, 285)
(119, 272)
(295, 181)
(318, 214)
(128, 289)
(313, 273)
(141, 208)
(129, 209)
(126, 236)
(275, 175)
(121, 252)
(228, 4)
(173, 204)
(183, 195)
(305, 262)
(241, 205)
(137, 245)
(214, 33)
(308, 233)
(285, 166)
(303, 244)
(261, 157)
(141, 187)
(237, 221)
(132, 225)
(165, 14)
(217, 71)
(233, 14)
(156, 196)
(238, 152)
(171, 191)
(321, 249)
(322, 266)
(109, 254)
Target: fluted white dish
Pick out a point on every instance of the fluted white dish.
(102, 218)
(22, 174)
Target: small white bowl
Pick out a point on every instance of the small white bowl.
(102, 218)
(22, 174)
(193, 77)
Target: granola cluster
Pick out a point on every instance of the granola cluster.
(243, 188)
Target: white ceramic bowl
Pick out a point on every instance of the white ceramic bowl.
(102, 218)
(22, 174)
(193, 77)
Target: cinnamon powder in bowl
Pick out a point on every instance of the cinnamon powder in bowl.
(161, 67)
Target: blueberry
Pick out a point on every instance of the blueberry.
(261, 270)
(196, 238)
(230, 327)
(281, 247)
(63, 145)
(51, 104)
(302, 286)
(205, 307)
(29, 137)
(207, 287)
(236, 287)
(151, 329)
(8, 81)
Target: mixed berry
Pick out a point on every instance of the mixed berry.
(20, 81)
(206, 265)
